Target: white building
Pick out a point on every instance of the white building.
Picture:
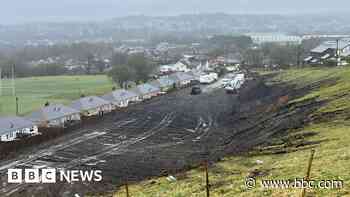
(121, 98)
(56, 115)
(182, 79)
(178, 67)
(146, 91)
(260, 38)
(14, 127)
(92, 105)
(164, 83)
(208, 78)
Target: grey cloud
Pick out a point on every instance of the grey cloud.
(18, 11)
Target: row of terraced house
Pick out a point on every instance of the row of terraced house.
(61, 116)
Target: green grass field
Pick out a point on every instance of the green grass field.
(34, 92)
(331, 161)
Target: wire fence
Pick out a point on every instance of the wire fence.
(210, 181)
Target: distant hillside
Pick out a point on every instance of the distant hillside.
(144, 27)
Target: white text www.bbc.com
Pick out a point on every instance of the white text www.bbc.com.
(251, 183)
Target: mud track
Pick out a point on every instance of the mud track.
(165, 135)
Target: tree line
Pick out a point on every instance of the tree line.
(137, 68)
(134, 68)
(21, 58)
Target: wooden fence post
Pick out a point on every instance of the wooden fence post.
(127, 190)
(17, 108)
(308, 171)
(207, 184)
(127, 187)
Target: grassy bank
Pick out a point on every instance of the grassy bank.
(34, 92)
(331, 161)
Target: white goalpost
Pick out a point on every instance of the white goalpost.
(0, 81)
(13, 81)
(8, 83)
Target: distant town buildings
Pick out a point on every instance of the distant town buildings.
(330, 51)
(76, 66)
(329, 36)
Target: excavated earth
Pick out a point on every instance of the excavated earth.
(165, 135)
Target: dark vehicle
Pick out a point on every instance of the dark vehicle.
(231, 91)
(195, 82)
(196, 90)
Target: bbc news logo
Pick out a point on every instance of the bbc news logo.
(52, 176)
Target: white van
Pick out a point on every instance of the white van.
(234, 85)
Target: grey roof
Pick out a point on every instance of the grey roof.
(52, 112)
(88, 103)
(195, 74)
(145, 88)
(181, 76)
(322, 48)
(119, 95)
(163, 82)
(155, 83)
(308, 58)
(8, 124)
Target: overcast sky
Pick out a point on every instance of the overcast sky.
(23, 11)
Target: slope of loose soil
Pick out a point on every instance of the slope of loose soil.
(284, 156)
